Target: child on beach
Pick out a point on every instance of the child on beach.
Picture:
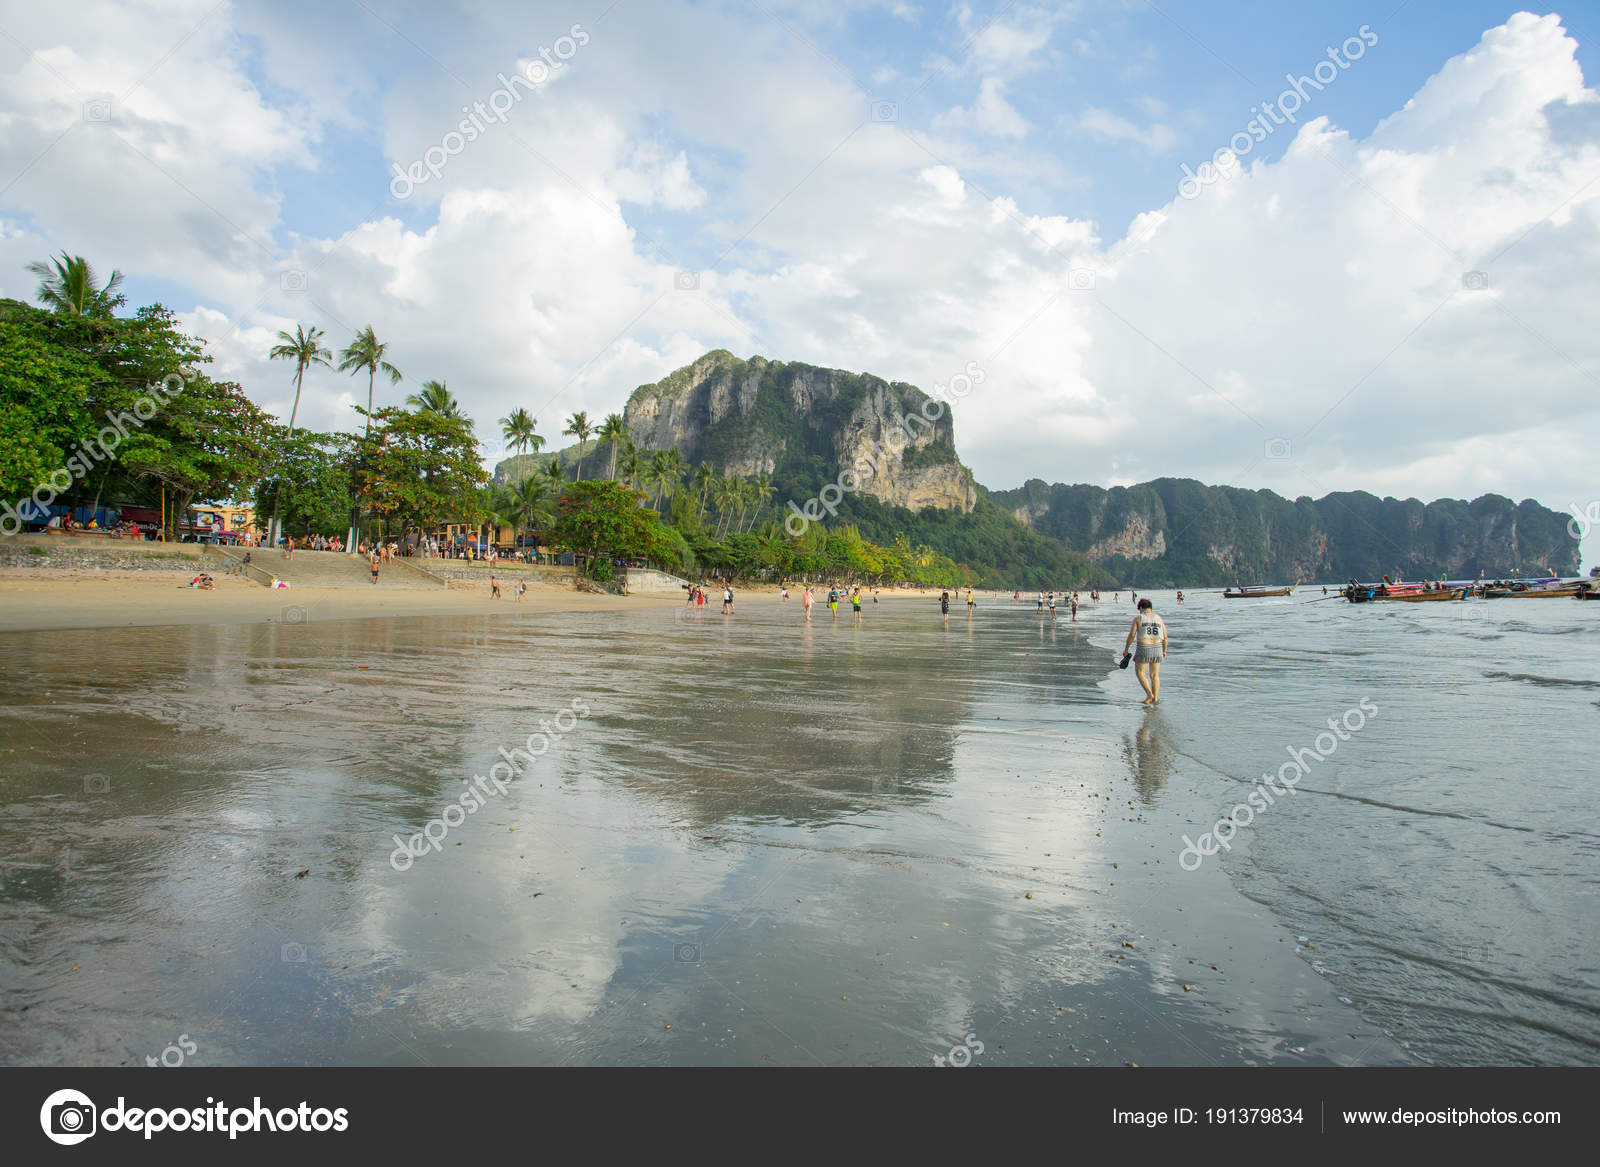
(374, 566)
(727, 600)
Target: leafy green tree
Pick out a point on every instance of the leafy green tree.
(315, 477)
(423, 468)
(605, 518)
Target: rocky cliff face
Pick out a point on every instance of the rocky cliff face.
(1180, 532)
(759, 415)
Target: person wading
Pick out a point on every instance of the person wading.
(1150, 630)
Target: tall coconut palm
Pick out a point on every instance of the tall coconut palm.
(435, 398)
(633, 463)
(366, 351)
(516, 428)
(724, 495)
(761, 492)
(304, 349)
(67, 286)
(704, 477)
(660, 475)
(614, 430)
(578, 426)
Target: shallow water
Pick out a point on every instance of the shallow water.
(765, 842)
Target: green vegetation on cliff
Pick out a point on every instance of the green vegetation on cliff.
(1179, 532)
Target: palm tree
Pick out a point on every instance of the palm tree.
(366, 351)
(614, 430)
(496, 505)
(435, 398)
(703, 478)
(634, 463)
(529, 504)
(654, 474)
(517, 428)
(761, 491)
(304, 349)
(67, 286)
(724, 493)
(578, 426)
(554, 475)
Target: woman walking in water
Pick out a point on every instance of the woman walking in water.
(1151, 632)
(806, 601)
(944, 607)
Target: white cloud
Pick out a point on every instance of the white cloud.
(1318, 297)
(1107, 126)
(989, 114)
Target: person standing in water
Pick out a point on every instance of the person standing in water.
(833, 602)
(1150, 630)
(806, 601)
(855, 600)
(944, 605)
(1074, 604)
(970, 603)
(727, 599)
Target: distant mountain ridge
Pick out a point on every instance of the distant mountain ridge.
(805, 425)
(1177, 532)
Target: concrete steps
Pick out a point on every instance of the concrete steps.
(332, 569)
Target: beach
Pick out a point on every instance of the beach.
(43, 598)
(618, 830)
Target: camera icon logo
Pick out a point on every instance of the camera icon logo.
(293, 281)
(885, 111)
(292, 953)
(1475, 281)
(68, 1117)
(97, 784)
(97, 110)
(293, 614)
(686, 954)
(686, 281)
(1278, 449)
(1081, 279)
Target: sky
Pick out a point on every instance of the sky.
(1387, 286)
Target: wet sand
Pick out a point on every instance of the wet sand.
(764, 843)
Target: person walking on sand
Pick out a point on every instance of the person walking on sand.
(494, 587)
(786, 594)
(1151, 632)
(374, 565)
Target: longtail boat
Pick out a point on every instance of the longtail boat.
(1258, 591)
(1537, 591)
(1412, 593)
